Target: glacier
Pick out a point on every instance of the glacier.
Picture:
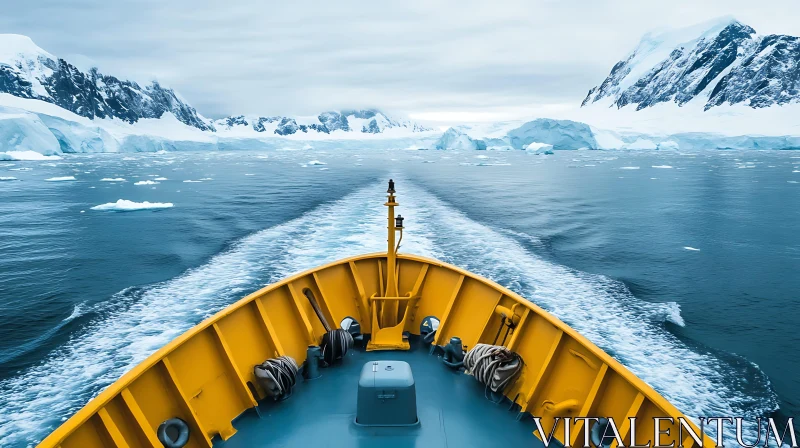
(679, 90)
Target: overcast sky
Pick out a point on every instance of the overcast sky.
(457, 60)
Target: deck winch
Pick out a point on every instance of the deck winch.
(386, 395)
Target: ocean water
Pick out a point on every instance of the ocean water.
(682, 266)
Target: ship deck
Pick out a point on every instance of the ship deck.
(451, 408)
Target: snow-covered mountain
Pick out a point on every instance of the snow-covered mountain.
(27, 71)
(723, 62)
(366, 121)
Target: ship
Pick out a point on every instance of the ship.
(379, 350)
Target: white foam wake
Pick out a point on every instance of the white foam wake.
(136, 322)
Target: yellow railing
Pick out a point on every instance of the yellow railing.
(205, 376)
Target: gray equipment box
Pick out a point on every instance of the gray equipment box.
(386, 395)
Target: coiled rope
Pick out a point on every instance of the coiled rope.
(493, 365)
(335, 344)
(277, 376)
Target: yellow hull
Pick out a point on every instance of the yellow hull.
(205, 376)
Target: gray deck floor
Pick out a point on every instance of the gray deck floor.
(451, 407)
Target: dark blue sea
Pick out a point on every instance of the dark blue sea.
(683, 266)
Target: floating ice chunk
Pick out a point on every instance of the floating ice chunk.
(629, 167)
(146, 182)
(316, 162)
(249, 174)
(661, 166)
(206, 178)
(160, 178)
(60, 179)
(668, 145)
(26, 155)
(7, 178)
(481, 157)
(192, 181)
(694, 249)
(124, 205)
(323, 169)
(112, 179)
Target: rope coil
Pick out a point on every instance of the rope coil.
(277, 376)
(493, 365)
(335, 344)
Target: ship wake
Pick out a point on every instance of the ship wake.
(137, 321)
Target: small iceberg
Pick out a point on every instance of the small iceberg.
(26, 155)
(694, 249)
(316, 162)
(112, 179)
(60, 179)
(7, 178)
(160, 178)
(192, 181)
(124, 205)
(629, 167)
(540, 148)
(661, 166)
(146, 182)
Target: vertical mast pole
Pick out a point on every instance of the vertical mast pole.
(391, 262)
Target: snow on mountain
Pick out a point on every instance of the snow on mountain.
(715, 63)
(367, 121)
(27, 71)
(50, 106)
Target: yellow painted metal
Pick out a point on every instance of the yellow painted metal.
(205, 376)
(387, 329)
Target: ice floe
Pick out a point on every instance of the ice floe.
(112, 179)
(60, 179)
(146, 182)
(124, 205)
(26, 155)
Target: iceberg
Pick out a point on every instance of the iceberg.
(26, 155)
(124, 205)
(60, 179)
(641, 143)
(112, 179)
(561, 134)
(539, 148)
(146, 182)
(457, 139)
